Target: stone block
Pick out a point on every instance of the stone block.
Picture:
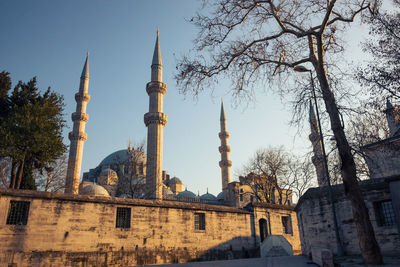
(322, 256)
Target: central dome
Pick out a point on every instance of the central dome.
(117, 157)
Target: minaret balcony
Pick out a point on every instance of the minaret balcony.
(223, 149)
(81, 136)
(82, 98)
(155, 118)
(80, 117)
(156, 87)
(225, 163)
(223, 135)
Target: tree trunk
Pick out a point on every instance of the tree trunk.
(368, 245)
(19, 174)
(13, 179)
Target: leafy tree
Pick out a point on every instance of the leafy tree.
(249, 41)
(382, 75)
(30, 130)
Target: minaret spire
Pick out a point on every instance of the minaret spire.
(225, 164)
(155, 121)
(315, 138)
(78, 135)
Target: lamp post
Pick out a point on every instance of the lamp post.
(300, 68)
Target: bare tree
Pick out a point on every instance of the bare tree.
(250, 40)
(133, 181)
(382, 75)
(5, 172)
(52, 179)
(273, 169)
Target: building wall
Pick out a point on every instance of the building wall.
(383, 158)
(273, 214)
(67, 230)
(315, 222)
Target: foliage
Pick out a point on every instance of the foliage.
(30, 131)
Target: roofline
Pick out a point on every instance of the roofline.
(117, 201)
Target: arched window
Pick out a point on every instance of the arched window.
(263, 229)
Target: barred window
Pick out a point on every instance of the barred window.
(123, 218)
(18, 212)
(199, 221)
(384, 213)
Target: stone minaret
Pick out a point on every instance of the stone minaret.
(318, 158)
(392, 118)
(78, 135)
(155, 121)
(224, 149)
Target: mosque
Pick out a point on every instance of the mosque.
(130, 173)
(128, 211)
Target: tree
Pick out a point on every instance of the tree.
(274, 169)
(251, 40)
(30, 130)
(52, 179)
(383, 73)
(132, 183)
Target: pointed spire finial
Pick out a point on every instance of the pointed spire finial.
(85, 71)
(130, 145)
(389, 104)
(157, 52)
(222, 117)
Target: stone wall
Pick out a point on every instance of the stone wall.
(272, 214)
(71, 230)
(316, 227)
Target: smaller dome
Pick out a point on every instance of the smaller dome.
(186, 194)
(94, 190)
(175, 180)
(220, 196)
(208, 196)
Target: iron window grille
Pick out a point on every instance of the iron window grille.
(199, 221)
(18, 212)
(123, 217)
(384, 213)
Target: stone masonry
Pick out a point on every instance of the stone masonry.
(78, 135)
(155, 121)
(225, 164)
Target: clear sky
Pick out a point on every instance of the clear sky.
(49, 39)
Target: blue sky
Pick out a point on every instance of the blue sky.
(49, 39)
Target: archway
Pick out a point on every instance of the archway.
(263, 229)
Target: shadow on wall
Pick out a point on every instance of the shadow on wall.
(239, 247)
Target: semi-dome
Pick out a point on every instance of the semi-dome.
(187, 194)
(94, 190)
(208, 196)
(220, 196)
(175, 180)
